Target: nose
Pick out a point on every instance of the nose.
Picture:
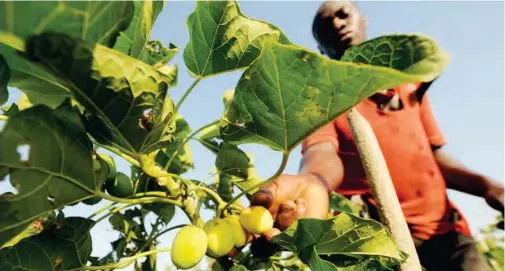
(339, 23)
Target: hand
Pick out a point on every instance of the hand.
(291, 197)
(495, 199)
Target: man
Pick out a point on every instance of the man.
(411, 143)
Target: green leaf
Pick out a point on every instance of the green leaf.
(345, 236)
(34, 228)
(183, 160)
(222, 39)
(98, 22)
(165, 211)
(411, 54)
(133, 40)
(239, 268)
(289, 92)
(61, 247)
(114, 89)
(156, 54)
(43, 182)
(5, 74)
(340, 203)
(231, 160)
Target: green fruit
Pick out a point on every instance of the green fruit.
(239, 234)
(120, 187)
(218, 235)
(112, 173)
(256, 219)
(189, 247)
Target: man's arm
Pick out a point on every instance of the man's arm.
(459, 178)
(322, 160)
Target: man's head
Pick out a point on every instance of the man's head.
(337, 26)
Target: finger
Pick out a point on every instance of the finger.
(233, 253)
(271, 233)
(286, 215)
(301, 208)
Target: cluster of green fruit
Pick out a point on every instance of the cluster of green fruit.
(219, 236)
(116, 183)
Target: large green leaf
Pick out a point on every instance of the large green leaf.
(116, 91)
(222, 39)
(133, 40)
(182, 162)
(60, 247)
(344, 240)
(99, 21)
(56, 171)
(411, 54)
(289, 92)
(5, 74)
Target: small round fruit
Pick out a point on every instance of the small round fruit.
(120, 187)
(189, 247)
(239, 234)
(256, 219)
(220, 239)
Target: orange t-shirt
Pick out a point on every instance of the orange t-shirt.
(405, 137)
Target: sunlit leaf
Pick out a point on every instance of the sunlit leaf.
(115, 90)
(182, 161)
(133, 40)
(99, 21)
(340, 203)
(222, 39)
(61, 247)
(343, 241)
(43, 182)
(289, 91)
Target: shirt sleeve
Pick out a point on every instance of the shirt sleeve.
(433, 131)
(327, 133)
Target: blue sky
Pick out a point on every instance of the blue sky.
(467, 100)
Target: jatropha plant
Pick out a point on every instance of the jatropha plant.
(93, 79)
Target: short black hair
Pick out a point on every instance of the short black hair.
(318, 17)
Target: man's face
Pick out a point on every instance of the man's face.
(340, 26)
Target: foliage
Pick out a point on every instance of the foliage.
(100, 82)
(491, 245)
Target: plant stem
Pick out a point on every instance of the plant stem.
(167, 230)
(185, 95)
(279, 171)
(388, 205)
(186, 140)
(150, 238)
(113, 211)
(138, 200)
(128, 158)
(211, 193)
(122, 264)
(102, 209)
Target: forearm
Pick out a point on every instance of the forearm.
(322, 159)
(460, 178)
